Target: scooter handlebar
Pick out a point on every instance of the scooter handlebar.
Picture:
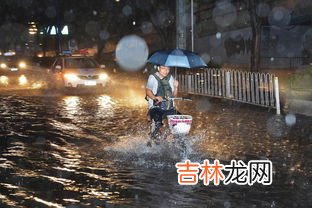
(174, 98)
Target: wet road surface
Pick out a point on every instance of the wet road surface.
(85, 150)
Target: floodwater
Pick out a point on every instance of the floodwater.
(89, 150)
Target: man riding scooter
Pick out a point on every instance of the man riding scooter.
(160, 88)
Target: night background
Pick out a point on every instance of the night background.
(73, 114)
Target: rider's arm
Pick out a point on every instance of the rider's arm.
(151, 95)
(150, 86)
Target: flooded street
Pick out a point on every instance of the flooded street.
(89, 150)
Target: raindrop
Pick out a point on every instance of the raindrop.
(272, 59)
(131, 53)
(227, 204)
(290, 119)
(50, 12)
(69, 16)
(94, 12)
(307, 40)
(276, 127)
(279, 16)
(92, 28)
(127, 10)
(206, 57)
(146, 27)
(104, 35)
(164, 18)
(224, 14)
(263, 10)
(203, 104)
(217, 59)
(218, 35)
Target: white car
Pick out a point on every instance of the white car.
(79, 71)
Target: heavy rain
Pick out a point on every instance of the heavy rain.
(77, 107)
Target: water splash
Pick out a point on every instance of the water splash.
(134, 149)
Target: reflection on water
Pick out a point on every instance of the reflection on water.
(105, 107)
(71, 107)
(90, 150)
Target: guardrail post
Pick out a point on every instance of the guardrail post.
(277, 99)
(227, 84)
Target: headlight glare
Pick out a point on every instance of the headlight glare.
(22, 80)
(103, 76)
(22, 65)
(4, 80)
(3, 65)
(71, 77)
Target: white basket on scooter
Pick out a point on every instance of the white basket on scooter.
(179, 124)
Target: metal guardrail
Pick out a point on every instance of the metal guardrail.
(248, 87)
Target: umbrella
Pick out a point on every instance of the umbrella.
(176, 58)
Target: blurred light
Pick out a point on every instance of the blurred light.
(22, 65)
(272, 58)
(104, 76)
(133, 23)
(71, 77)
(3, 65)
(117, 0)
(10, 53)
(36, 85)
(4, 80)
(22, 80)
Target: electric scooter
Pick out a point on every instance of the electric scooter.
(174, 130)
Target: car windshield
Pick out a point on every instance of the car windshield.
(10, 59)
(80, 63)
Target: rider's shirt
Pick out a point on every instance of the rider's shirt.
(152, 84)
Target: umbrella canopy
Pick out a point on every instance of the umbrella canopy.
(177, 58)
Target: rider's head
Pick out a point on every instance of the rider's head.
(163, 70)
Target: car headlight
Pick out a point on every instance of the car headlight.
(22, 80)
(71, 77)
(3, 65)
(22, 65)
(4, 80)
(103, 76)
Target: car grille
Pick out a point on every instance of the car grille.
(88, 77)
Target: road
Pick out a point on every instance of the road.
(86, 150)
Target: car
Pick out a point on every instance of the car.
(14, 70)
(79, 71)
